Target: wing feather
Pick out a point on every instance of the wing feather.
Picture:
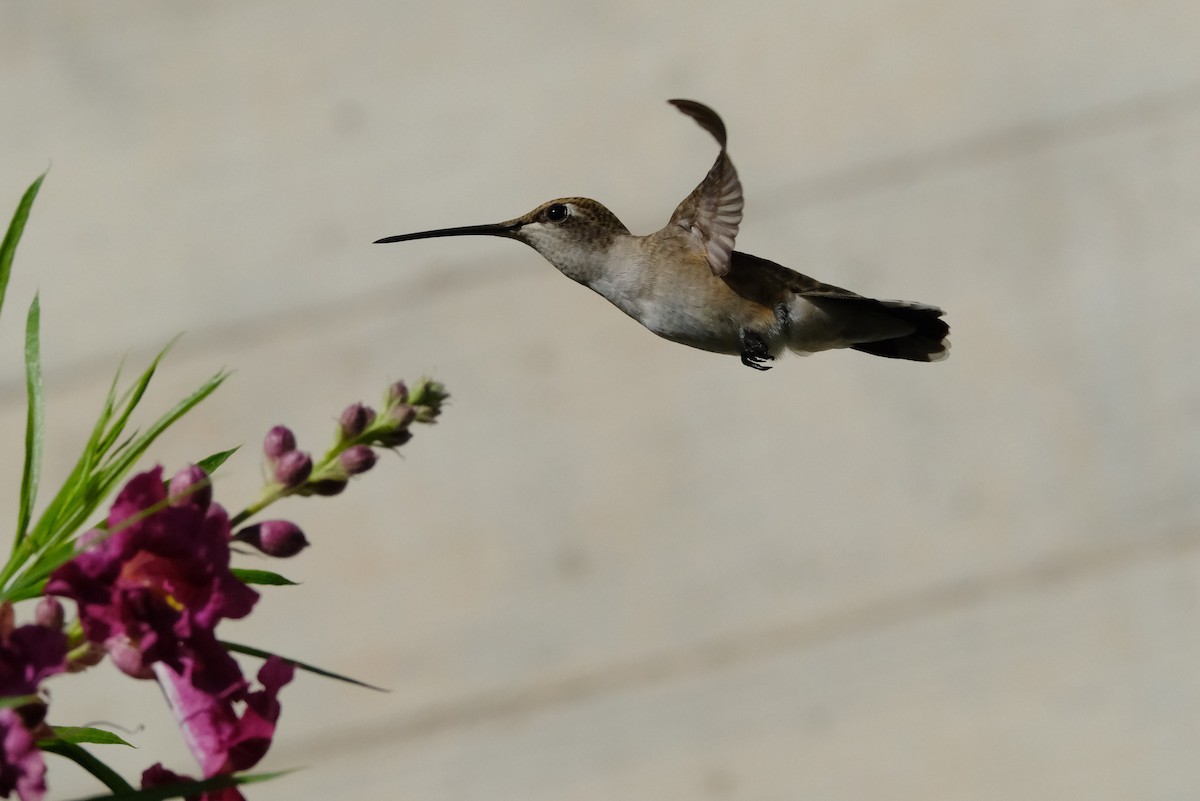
(712, 213)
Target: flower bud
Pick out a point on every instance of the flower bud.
(293, 468)
(128, 659)
(394, 439)
(190, 486)
(357, 459)
(49, 613)
(354, 421)
(328, 487)
(400, 416)
(397, 393)
(428, 396)
(274, 538)
(279, 440)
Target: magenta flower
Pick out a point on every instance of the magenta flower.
(222, 740)
(159, 576)
(21, 765)
(28, 655)
(157, 776)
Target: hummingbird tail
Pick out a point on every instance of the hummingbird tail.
(926, 343)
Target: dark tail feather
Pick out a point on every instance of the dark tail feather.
(925, 344)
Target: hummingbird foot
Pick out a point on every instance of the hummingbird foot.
(755, 351)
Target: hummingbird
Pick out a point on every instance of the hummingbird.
(687, 284)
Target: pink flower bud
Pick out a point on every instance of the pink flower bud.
(357, 459)
(49, 613)
(274, 538)
(354, 421)
(401, 416)
(191, 486)
(398, 393)
(128, 659)
(293, 468)
(279, 440)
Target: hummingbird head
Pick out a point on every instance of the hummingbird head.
(572, 233)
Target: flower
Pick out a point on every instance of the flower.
(157, 776)
(222, 740)
(160, 576)
(28, 655)
(21, 765)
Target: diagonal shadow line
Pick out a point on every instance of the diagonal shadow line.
(744, 648)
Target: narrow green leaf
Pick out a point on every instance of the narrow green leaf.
(77, 754)
(265, 577)
(115, 468)
(187, 789)
(35, 418)
(132, 397)
(17, 700)
(84, 734)
(98, 470)
(261, 654)
(74, 490)
(8, 247)
(210, 463)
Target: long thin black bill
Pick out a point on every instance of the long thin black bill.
(496, 229)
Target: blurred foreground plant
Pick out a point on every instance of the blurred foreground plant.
(151, 582)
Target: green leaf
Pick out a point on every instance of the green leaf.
(261, 654)
(101, 466)
(15, 228)
(77, 754)
(211, 463)
(35, 419)
(84, 734)
(115, 468)
(264, 577)
(188, 789)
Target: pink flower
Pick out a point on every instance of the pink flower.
(159, 577)
(152, 590)
(157, 776)
(28, 655)
(222, 739)
(21, 765)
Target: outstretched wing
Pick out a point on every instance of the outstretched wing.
(712, 213)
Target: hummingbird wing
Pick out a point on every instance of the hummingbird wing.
(711, 214)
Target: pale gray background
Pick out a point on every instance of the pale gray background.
(622, 569)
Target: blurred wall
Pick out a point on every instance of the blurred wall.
(620, 568)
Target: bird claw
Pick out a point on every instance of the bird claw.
(755, 351)
(756, 361)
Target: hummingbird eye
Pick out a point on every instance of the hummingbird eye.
(557, 213)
